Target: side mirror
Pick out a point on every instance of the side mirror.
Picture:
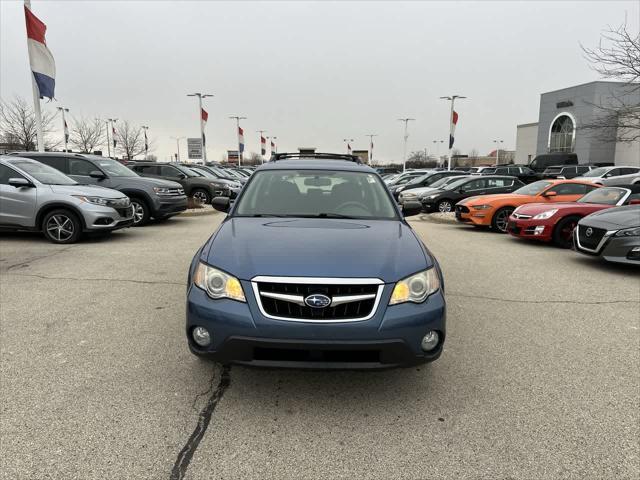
(221, 204)
(549, 194)
(20, 183)
(97, 174)
(182, 176)
(410, 209)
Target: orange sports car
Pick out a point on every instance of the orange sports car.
(494, 210)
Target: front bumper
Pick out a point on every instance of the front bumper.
(466, 214)
(164, 206)
(99, 218)
(613, 249)
(540, 230)
(241, 334)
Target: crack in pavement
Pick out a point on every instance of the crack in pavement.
(186, 454)
(535, 302)
(35, 259)
(123, 280)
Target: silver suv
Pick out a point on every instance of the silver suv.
(34, 196)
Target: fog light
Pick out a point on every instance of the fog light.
(430, 341)
(201, 336)
(539, 230)
(634, 253)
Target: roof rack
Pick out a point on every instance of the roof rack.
(327, 156)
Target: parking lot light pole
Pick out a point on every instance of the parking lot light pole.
(177, 139)
(146, 142)
(437, 143)
(202, 138)
(371, 135)
(240, 143)
(498, 142)
(406, 136)
(65, 129)
(110, 126)
(452, 125)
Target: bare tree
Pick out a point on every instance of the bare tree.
(474, 153)
(419, 159)
(617, 57)
(18, 125)
(86, 135)
(130, 139)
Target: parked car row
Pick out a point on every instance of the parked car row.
(594, 219)
(66, 194)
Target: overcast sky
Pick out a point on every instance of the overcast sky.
(311, 73)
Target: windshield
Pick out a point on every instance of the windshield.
(316, 193)
(533, 188)
(553, 170)
(420, 179)
(597, 172)
(445, 181)
(488, 170)
(43, 173)
(114, 168)
(604, 196)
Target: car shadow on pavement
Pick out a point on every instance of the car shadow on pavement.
(37, 237)
(600, 264)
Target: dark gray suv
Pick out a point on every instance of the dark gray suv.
(150, 197)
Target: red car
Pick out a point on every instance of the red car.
(555, 222)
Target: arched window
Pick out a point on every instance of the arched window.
(562, 134)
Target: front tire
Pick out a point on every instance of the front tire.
(445, 206)
(61, 226)
(563, 232)
(500, 219)
(141, 212)
(201, 196)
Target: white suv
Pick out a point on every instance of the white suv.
(34, 196)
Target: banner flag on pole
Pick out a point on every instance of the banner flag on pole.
(66, 131)
(263, 145)
(349, 148)
(146, 142)
(113, 135)
(240, 140)
(40, 58)
(454, 122)
(204, 116)
(273, 147)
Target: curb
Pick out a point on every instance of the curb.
(446, 218)
(198, 213)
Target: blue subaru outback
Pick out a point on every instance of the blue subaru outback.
(315, 267)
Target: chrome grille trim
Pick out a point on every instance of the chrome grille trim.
(318, 281)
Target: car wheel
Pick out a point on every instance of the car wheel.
(201, 196)
(140, 212)
(61, 226)
(445, 206)
(501, 219)
(563, 233)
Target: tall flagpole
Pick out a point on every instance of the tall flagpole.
(238, 118)
(371, 135)
(36, 100)
(406, 137)
(452, 99)
(262, 132)
(146, 141)
(106, 123)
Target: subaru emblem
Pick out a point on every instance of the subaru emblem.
(317, 300)
(589, 232)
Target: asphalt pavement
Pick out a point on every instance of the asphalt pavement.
(540, 377)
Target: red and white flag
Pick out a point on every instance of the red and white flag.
(349, 148)
(273, 147)
(42, 64)
(204, 116)
(263, 145)
(240, 140)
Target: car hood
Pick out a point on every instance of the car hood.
(87, 190)
(496, 198)
(298, 247)
(614, 218)
(141, 182)
(536, 208)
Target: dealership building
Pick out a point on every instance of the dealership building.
(563, 113)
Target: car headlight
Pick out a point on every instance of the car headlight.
(416, 288)
(162, 191)
(629, 232)
(545, 215)
(481, 207)
(93, 200)
(217, 283)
